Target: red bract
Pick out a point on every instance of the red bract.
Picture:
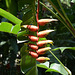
(31, 27)
(33, 46)
(43, 50)
(33, 54)
(42, 22)
(42, 43)
(42, 59)
(33, 38)
(44, 33)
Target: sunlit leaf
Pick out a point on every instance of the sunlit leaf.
(10, 17)
(8, 27)
(58, 68)
(73, 1)
(43, 65)
(16, 29)
(40, 39)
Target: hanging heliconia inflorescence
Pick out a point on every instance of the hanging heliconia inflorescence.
(39, 48)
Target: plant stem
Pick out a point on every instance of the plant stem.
(59, 61)
(37, 15)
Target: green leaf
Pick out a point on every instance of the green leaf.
(33, 71)
(27, 62)
(41, 39)
(8, 27)
(24, 50)
(42, 66)
(10, 17)
(16, 29)
(21, 3)
(21, 35)
(63, 48)
(27, 17)
(58, 68)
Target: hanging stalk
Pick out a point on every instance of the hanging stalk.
(37, 16)
(50, 50)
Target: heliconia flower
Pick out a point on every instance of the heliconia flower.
(42, 22)
(31, 27)
(43, 50)
(42, 59)
(33, 46)
(44, 33)
(33, 38)
(33, 54)
(42, 43)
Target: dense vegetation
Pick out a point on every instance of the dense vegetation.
(14, 59)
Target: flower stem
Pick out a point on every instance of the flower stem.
(59, 61)
(37, 15)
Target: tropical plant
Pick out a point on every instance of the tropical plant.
(31, 27)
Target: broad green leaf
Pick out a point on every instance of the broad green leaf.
(10, 17)
(27, 62)
(27, 16)
(58, 68)
(42, 66)
(63, 48)
(16, 29)
(24, 50)
(33, 71)
(8, 27)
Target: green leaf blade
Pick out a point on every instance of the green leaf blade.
(58, 68)
(8, 27)
(63, 48)
(5, 27)
(10, 17)
(27, 62)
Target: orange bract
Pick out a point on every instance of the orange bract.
(33, 38)
(33, 46)
(42, 59)
(31, 27)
